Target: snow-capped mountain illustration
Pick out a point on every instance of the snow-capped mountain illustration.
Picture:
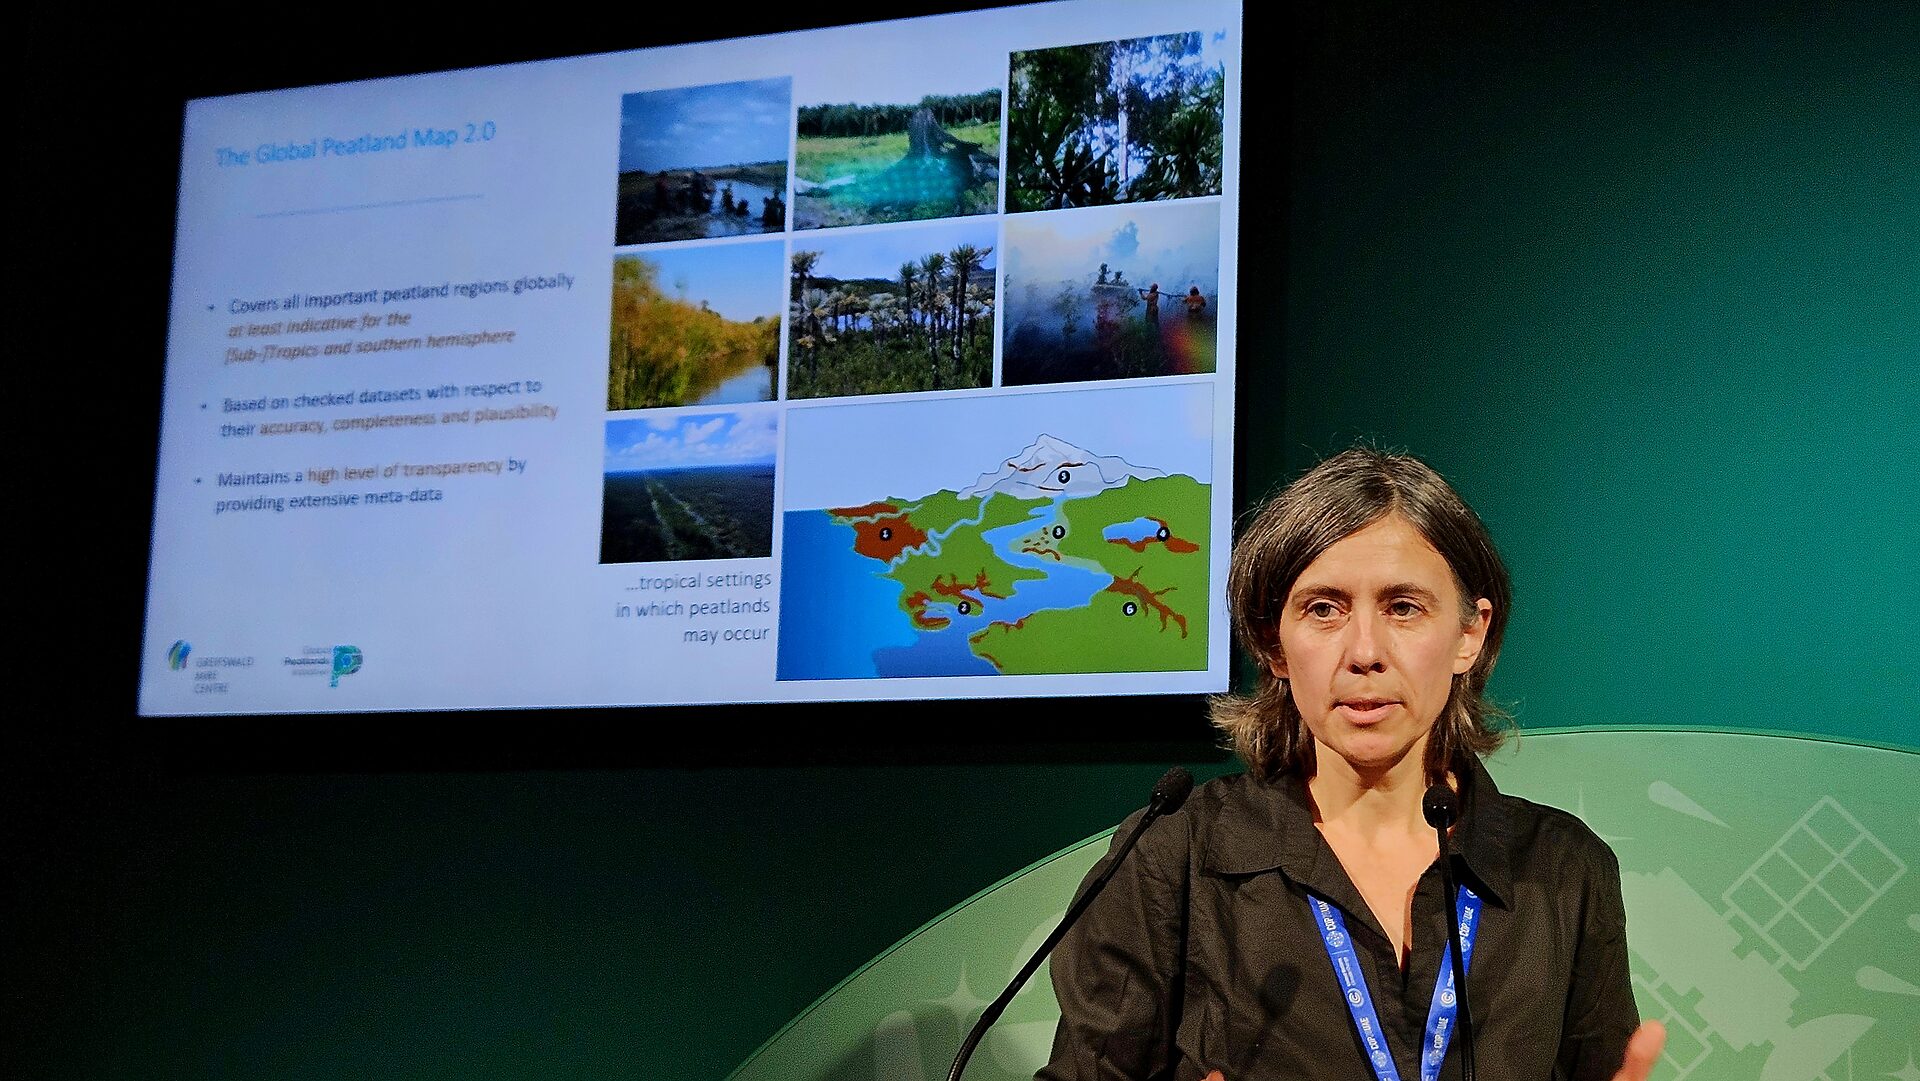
(1053, 467)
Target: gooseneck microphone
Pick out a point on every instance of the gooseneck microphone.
(1441, 807)
(1168, 795)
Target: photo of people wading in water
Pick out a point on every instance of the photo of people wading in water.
(1112, 293)
(703, 161)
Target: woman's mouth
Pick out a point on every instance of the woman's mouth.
(1365, 710)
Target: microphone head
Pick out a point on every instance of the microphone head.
(1172, 790)
(1440, 806)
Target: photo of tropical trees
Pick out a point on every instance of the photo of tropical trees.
(936, 157)
(703, 161)
(1116, 122)
(891, 310)
(1118, 292)
(695, 326)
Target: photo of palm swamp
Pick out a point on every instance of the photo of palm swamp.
(695, 326)
(1115, 122)
(856, 164)
(703, 161)
(891, 310)
(1118, 292)
(689, 487)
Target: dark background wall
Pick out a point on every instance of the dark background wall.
(1643, 279)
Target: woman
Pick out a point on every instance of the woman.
(1374, 602)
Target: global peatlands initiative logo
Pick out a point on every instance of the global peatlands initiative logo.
(177, 655)
(346, 661)
(330, 661)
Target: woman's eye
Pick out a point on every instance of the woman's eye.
(1321, 610)
(1403, 609)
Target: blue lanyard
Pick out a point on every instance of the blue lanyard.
(1353, 987)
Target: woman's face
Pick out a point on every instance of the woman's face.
(1371, 639)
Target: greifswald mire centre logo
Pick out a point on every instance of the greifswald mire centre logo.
(211, 671)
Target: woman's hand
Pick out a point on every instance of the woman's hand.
(1643, 1050)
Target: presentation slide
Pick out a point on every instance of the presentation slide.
(890, 361)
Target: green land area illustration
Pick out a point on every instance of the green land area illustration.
(1059, 561)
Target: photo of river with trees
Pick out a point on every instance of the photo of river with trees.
(695, 326)
(892, 311)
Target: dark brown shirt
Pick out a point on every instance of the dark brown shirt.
(1202, 953)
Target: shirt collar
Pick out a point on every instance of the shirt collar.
(1484, 841)
(1269, 826)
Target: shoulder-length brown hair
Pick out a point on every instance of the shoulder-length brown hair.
(1330, 502)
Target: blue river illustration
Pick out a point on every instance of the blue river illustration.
(840, 618)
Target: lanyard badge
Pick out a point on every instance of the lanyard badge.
(1353, 987)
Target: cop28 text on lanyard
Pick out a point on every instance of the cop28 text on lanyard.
(1353, 987)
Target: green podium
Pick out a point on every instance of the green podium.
(1772, 920)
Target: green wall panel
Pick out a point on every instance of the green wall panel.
(1645, 284)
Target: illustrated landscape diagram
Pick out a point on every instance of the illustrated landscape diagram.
(1060, 560)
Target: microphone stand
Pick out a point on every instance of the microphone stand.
(1440, 814)
(1168, 795)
